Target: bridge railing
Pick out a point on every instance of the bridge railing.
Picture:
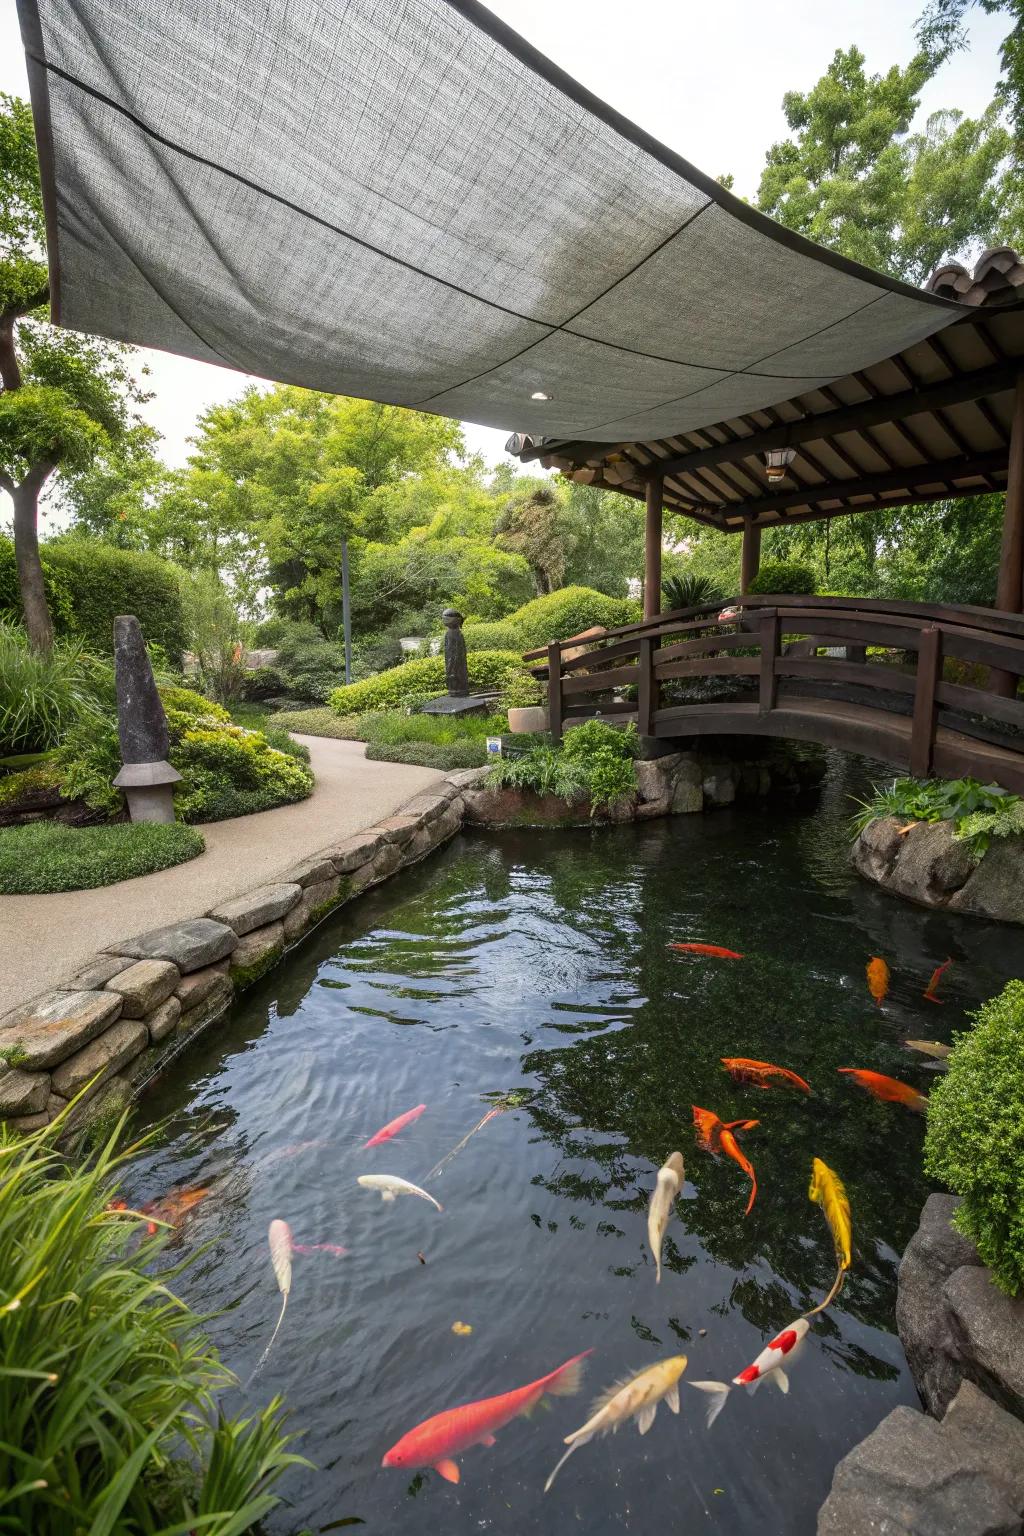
(778, 649)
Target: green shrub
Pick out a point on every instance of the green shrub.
(227, 771)
(422, 679)
(594, 759)
(392, 728)
(974, 1142)
(689, 590)
(447, 756)
(17, 789)
(592, 736)
(42, 696)
(318, 722)
(555, 616)
(784, 576)
(190, 704)
(108, 1384)
(310, 665)
(104, 581)
(58, 592)
(48, 856)
(542, 768)
(263, 683)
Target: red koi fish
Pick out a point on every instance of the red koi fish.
(319, 1248)
(888, 1088)
(778, 1353)
(436, 1441)
(878, 979)
(714, 950)
(394, 1126)
(172, 1207)
(709, 1128)
(929, 993)
(761, 1073)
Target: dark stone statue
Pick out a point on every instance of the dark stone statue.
(146, 777)
(456, 668)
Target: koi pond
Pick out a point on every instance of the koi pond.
(531, 972)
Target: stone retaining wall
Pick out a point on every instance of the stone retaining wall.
(113, 1024)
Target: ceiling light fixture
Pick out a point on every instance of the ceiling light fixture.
(777, 462)
(539, 394)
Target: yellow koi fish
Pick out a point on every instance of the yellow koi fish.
(637, 1397)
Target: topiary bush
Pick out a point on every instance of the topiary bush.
(974, 1142)
(48, 856)
(423, 679)
(787, 576)
(103, 581)
(555, 616)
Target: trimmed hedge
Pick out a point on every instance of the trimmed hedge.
(48, 856)
(555, 616)
(423, 679)
(429, 754)
(787, 576)
(317, 722)
(88, 583)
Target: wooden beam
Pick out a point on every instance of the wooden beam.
(854, 418)
(1010, 581)
(941, 473)
(652, 546)
(750, 555)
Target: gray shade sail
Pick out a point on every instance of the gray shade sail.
(402, 200)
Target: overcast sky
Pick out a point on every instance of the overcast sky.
(707, 80)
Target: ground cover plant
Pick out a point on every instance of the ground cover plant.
(594, 761)
(108, 1384)
(49, 856)
(318, 722)
(979, 811)
(973, 1140)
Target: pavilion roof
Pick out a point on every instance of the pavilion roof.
(407, 202)
(931, 421)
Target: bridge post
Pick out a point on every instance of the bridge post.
(555, 690)
(922, 730)
(652, 547)
(1010, 581)
(750, 554)
(769, 633)
(645, 699)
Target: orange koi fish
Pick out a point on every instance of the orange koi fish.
(878, 979)
(436, 1441)
(710, 1128)
(888, 1088)
(394, 1126)
(730, 1146)
(761, 1073)
(929, 993)
(714, 950)
(170, 1208)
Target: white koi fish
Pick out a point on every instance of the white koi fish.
(635, 1397)
(780, 1351)
(391, 1186)
(670, 1177)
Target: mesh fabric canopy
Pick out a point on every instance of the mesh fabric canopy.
(400, 199)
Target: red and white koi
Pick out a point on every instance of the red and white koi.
(770, 1364)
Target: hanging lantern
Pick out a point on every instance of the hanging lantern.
(777, 462)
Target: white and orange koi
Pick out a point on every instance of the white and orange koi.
(777, 1353)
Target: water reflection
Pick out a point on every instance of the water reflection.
(537, 964)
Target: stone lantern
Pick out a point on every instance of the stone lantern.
(146, 777)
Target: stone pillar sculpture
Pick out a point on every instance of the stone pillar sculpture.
(456, 668)
(147, 776)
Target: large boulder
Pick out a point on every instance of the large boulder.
(52, 1027)
(996, 887)
(877, 848)
(931, 864)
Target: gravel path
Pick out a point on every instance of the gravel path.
(44, 939)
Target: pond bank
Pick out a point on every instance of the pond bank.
(926, 864)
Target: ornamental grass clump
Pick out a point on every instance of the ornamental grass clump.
(975, 1142)
(108, 1384)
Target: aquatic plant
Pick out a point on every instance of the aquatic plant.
(973, 1141)
(108, 1384)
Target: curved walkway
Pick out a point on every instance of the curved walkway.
(44, 939)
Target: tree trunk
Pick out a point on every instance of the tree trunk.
(26, 550)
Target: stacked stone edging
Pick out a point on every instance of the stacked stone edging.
(927, 865)
(131, 1008)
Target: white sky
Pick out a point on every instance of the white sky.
(705, 80)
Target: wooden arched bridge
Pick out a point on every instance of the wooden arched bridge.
(919, 686)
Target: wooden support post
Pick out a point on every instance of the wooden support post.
(1010, 581)
(646, 703)
(769, 631)
(652, 547)
(922, 731)
(555, 690)
(750, 555)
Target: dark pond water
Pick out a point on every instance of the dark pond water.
(539, 962)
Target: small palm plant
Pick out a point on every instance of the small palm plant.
(690, 591)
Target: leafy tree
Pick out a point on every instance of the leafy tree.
(941, 31)
(529, 526)
(853, 177)
(115, 498)
(64, 398)
(603, 532)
